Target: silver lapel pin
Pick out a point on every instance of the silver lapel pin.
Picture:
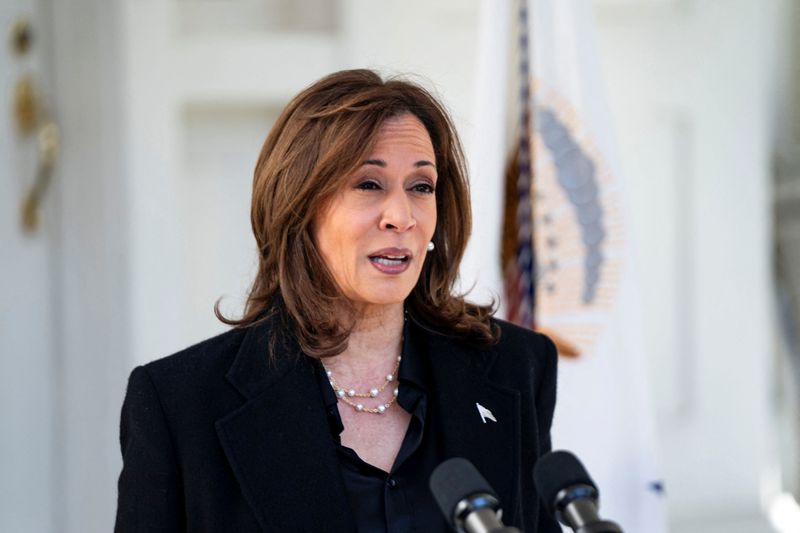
(485, 413)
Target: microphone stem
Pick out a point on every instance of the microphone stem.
(581, 515)
(485, 521)
(600, 527)
(580, 512)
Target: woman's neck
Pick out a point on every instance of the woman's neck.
(374, 343)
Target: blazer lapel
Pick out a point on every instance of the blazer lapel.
(279, 444)
(462, 391)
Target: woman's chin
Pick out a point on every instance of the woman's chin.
(383, 298)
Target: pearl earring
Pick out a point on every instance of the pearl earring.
(431, 246)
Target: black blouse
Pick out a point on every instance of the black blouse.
(400, 500)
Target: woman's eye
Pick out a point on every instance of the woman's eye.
(426, 188)
(368, 185)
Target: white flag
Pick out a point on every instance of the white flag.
(587, 286)
(586, 282)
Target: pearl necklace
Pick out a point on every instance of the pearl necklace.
(345, 394)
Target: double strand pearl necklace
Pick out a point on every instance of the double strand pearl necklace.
(346, 395)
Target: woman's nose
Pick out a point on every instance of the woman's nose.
(397, 212)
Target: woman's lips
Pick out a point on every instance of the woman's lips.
(391, 260)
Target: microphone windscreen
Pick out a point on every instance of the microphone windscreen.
(556, 471)
(455, 480)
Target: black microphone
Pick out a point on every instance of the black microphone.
(465, 498)
(569, 493)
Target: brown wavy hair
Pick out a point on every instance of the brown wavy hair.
(322, 137)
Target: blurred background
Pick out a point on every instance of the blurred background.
(128, 134)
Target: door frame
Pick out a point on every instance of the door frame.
(91, 241)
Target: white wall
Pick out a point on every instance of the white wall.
(690, 88)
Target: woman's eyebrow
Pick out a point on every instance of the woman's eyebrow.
(381, 163)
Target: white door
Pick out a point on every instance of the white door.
(28, 361)
(63, 288)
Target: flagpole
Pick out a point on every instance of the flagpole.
(526, 254)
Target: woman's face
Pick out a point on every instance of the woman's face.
(374, 234)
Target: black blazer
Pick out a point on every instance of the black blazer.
(217, 438)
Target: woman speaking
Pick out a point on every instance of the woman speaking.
(355, 369)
